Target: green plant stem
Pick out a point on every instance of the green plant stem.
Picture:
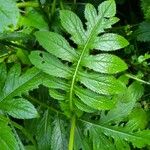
(137, 79)
(53, 7)
(27, 4)
(72, 132)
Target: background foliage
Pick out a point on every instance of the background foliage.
(72, 78)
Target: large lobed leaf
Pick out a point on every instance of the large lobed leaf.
(138, 139)
(77, 67)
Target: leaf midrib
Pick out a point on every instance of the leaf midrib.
(80, 59)
(131, 135)
(11, 93)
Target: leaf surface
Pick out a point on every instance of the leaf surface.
(104, 63)
(9, 14)
(49, 64)
(43, 133)
(110, 42)
(94, 100)
(76, 66)
(59, 140)
(73, 25)
(56, 45)
(16, 84)
(7, 139)
(19, 108)
(122, 109)
(138, 139)
(102, 84)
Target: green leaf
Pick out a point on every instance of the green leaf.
(137, 119)
(55, 83)
(102, 84)
(56, 95)
(94, 100)
(73, 25)
(110, 42)
(9, 14)
(107, 8)
(138, 139)
(70, 64)
(23, 56)
(90, 15)
(19, 108)
(81, 142)
(7, 139)
(143, 33)
(34, 19)
(17, 84)
(49, 64)
(126, 103)
(100, 141)
(105, 63)
(59, 140)
(82, 106)
(97, 22)
(43, 133)
(11, 100)
(56, 45)
(120, 144)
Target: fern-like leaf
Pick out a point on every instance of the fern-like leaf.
(138, 139)
(78, 68)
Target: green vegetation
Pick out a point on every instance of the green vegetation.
(74, 75)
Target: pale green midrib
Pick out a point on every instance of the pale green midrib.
(14, 91)
(79, 61)
(75, 74)
(131, 135)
